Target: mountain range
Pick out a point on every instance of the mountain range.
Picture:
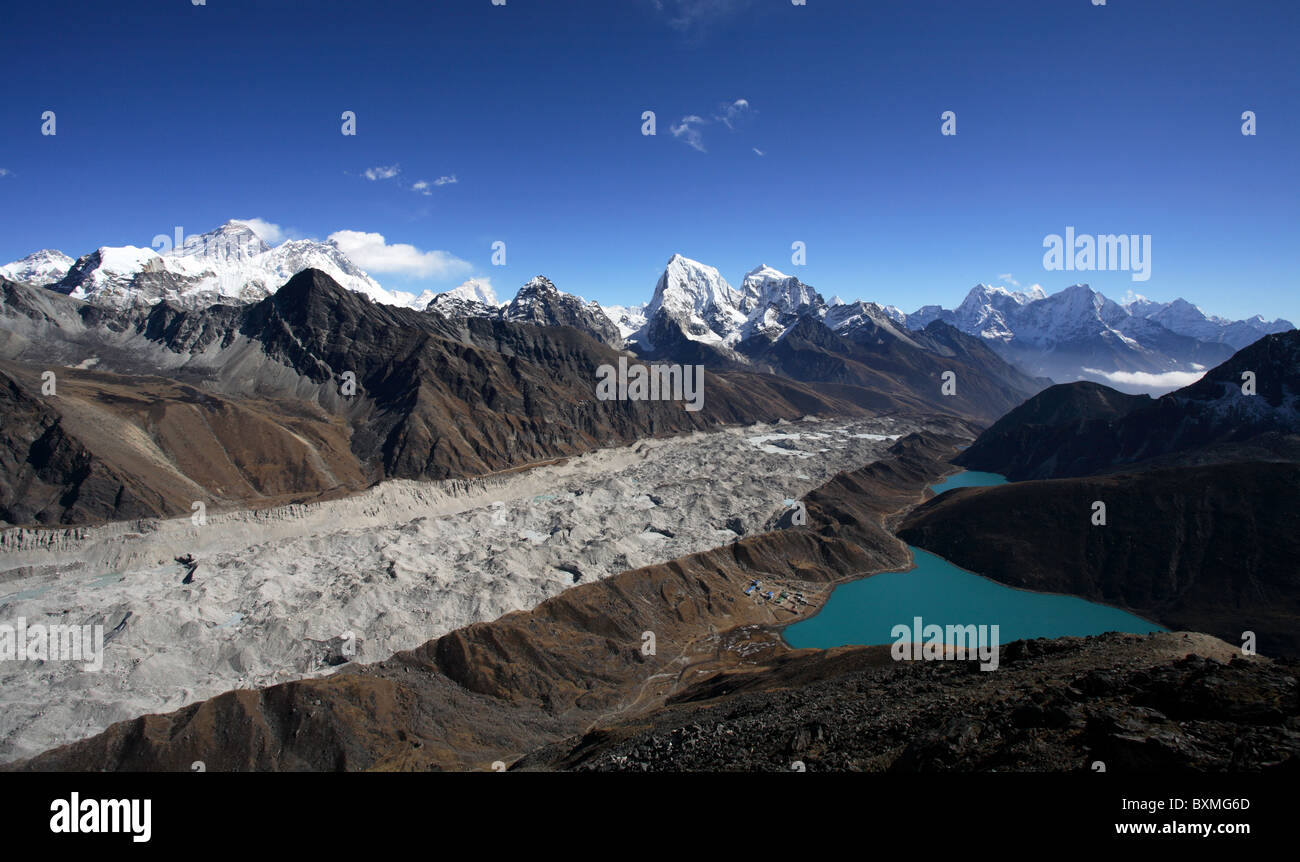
(1079, 334)
(157, 406)
(694, 314)
(228, 265)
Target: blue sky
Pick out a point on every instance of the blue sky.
(1123, 118)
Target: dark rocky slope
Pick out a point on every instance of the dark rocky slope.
(1209, 548)
(911, 371)
(1155, 704)
(1081, 429)
(117, 447)
(1050, 433)
(245, 406)
(47, 474)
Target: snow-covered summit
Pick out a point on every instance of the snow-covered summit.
(696, 300)
(229, 264)
(692, 301)
(628, 318)
(1184, 318)
(476, 290)
(41, 268)
(767, 286)
(692, 288)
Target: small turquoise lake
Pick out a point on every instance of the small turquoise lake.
(968, 479)
(865, 612)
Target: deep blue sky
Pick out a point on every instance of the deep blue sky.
(1122, 118)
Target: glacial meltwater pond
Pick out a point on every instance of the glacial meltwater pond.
(866, 611)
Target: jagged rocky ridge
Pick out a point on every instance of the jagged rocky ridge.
(263, 386)
(538, 302)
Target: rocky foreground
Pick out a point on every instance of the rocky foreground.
(1167, 702)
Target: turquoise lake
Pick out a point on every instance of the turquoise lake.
(866, 611)
(968, 479)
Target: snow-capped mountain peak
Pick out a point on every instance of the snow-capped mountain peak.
(228, 264)
(986, 311)
(849, 318)
(41, 268)
(692, 287)
(1184, 318)
(628, 318)
(765, 286)
(234, 239)
(476, 290)
(696, 301)
(537, 285)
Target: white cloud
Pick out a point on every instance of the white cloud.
(729, 115)
(1165, 382)
(373, 253)
(425, 187)
(381, 172)
(271, 234)
(759, 152)
(688, 131)
(1006, 278)
(4, 172)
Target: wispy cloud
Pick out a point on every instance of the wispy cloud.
(4, 172)
(759, 152)
(688, 131)
(373, 253)
(729, 114)
(1007, 279)
(381, 172)
(425, 187)
(693, 17)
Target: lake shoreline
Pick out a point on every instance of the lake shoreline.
(946, 483)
